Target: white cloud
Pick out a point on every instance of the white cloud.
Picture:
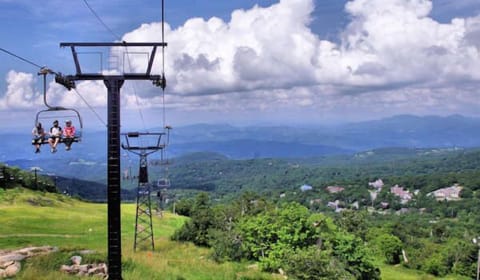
(25, 91)
(393, 57)
(267, 60)
(20, 93)
(387, 42)
(258, 48)
(404, 45)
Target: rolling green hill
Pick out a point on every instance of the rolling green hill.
(225, 178)
(31, 218)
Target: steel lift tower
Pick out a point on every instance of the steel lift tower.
(143, 220)
(114, 84)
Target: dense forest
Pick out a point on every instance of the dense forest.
(271, 219)
(414, 169)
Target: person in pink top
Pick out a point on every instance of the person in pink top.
(68, 134)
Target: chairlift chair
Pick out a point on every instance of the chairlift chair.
(57, 113)
(163, 183)
(47, 116)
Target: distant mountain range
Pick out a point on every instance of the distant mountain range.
(87, 159)
(399, 131)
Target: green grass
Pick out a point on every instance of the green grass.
(30, 218)
(35, 219)
(402, 273)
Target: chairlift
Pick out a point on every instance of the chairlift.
(59, 113)
(49, 115)
(163, 183)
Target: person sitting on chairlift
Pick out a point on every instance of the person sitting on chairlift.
(55, 135)
(68, 134)
(38, 136)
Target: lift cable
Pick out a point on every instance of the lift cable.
(21, 58)
(128, 58)
(136, 95)
(163, 61)
(163, 40)
(101, 21)
(90, 107)
(53, 72)
(165, 126)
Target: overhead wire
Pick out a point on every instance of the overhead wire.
(163, 38)
(128, 59)
(136, 95)
(53, 72)
(21, 58)
(90, 107)
(101, 21)
(163, 62)
(130, 64)
(164, 151)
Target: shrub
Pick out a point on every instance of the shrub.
(314, 264)
(226, 245)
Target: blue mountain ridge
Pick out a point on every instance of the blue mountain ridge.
(87, 160)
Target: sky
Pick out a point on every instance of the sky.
(247, 62)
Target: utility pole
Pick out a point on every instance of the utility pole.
(35, 172)
(476, 242)
(113, 83)
(478, 264)
(3, 177)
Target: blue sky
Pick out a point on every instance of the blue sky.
(253, 62)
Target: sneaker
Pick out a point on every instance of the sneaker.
(37, 151)
(67, 148)
(52, 150)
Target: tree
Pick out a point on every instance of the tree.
(184, 207)
(357, 259)
(226, 245)
(313, 264)
(390, 247)
(271, 235)
(435, 265)
(202, 219)
(355, 222)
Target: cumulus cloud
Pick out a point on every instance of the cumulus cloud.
(20, 93)
(386, 42)
(400, 38)
(393, 57)
(258, 48)
(25, 91)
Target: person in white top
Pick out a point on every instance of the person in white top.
(55, 135)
